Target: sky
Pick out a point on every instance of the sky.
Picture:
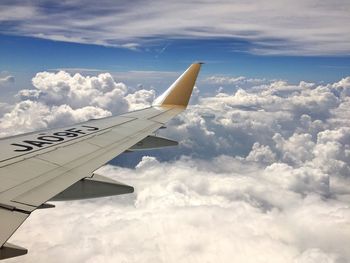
(303, 40)
(262, 171)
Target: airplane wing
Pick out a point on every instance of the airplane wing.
(59, 164)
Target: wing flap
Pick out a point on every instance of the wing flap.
(10, 221)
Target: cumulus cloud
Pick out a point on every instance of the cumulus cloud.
(30, 115)
(267, 114)
(300, 128)
(262, 174)
(274, 27)
(62, 98)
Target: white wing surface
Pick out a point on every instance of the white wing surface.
(59, 164)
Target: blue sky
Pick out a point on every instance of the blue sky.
(286, 41)
(261, 173)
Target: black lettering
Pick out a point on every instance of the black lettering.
(75, 130)
(25, 147)
(66, 134)
(90, 128)
(50, 138)
(37, 143)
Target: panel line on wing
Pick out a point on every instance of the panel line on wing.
(64, 142)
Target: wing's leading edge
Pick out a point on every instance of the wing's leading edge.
(59, 164)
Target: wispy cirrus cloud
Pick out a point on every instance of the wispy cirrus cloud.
(271, 28)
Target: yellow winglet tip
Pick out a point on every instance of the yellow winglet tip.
(179, 93)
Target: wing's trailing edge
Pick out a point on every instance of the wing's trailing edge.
(37, 167)
(11, 220)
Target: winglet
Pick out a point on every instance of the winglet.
(179, 93)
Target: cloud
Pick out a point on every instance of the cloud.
(273, 28)
(134, 79)
(227, 83)
(262, 174)
(29, 115)
(61, 98)
(241, 80)
(77, 90)
(4, 108)
(267, 114)
(192, 211)
(6, 81)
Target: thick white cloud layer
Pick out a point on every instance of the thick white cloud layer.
(262, 174)
(309, 27)
(189, 211)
